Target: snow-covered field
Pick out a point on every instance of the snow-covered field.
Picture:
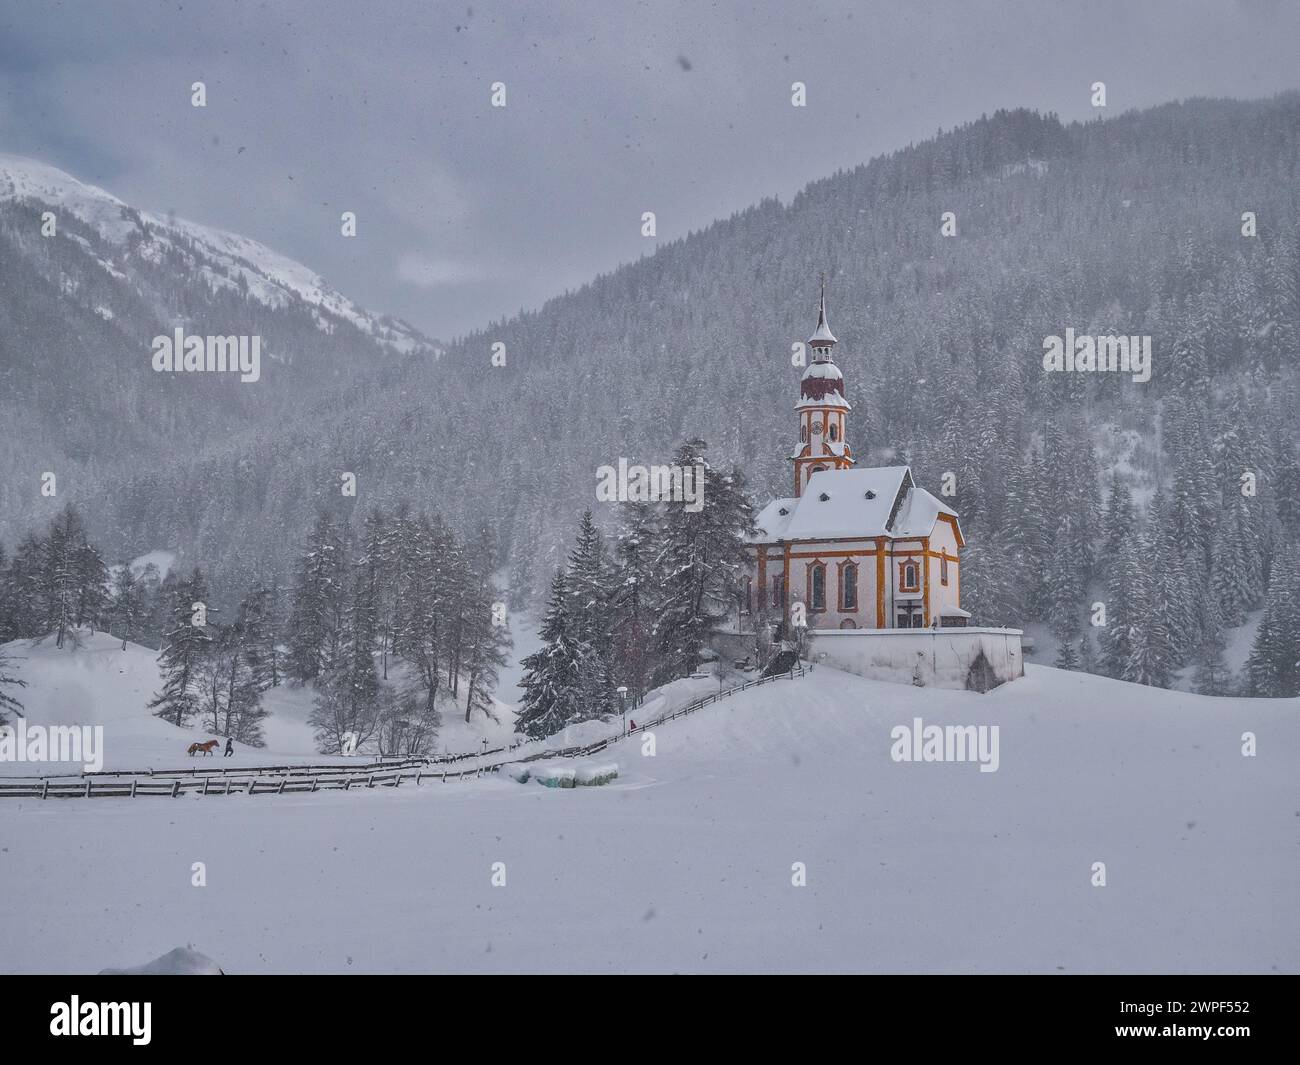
(684, 863)
(97, 682)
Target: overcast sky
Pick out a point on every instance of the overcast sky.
(468, 213)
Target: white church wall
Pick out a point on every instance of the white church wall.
(943, 540)
(834, 557)
(943, 657)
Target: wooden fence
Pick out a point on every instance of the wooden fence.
(300, 779)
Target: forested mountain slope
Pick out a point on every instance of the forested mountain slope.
(1130, 225)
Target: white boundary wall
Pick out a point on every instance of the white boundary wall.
(944, 656)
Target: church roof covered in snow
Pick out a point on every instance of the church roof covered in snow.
(868, 502)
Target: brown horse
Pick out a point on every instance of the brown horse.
(206, 748)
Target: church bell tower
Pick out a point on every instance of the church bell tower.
(822, 408)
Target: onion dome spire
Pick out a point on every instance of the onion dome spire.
(822, 337)
(822, 381)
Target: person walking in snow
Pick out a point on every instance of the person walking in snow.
(230, 747)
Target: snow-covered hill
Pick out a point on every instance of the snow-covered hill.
(685, 863)
(221, 258)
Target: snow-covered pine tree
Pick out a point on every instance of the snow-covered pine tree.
(92, 584)
(1273, 668)
(424, 601)
(318, 594)
(1125, 600)
(348, 690)
(22, 590)
(184, 648)
(1148, 658)
(552, 681)
(588, 582)
(1065, 590)
(1212, 675)
(8, 680)
(60, 570)
(1175, 614)
(456, 594)
(1118, 523)
(1231, 580)
(1027, 540)
(487, 639)
(128, 611)
(258, 640)
(634, 600)
(395, 548)
(702, 557)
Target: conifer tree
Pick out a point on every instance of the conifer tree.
(1064, 588)
(702, 558)
(588, 585)
(487, 639)
(128, 609)
(256, 627)
(1273, 668)
(8, 679)
(634, 600)
(552, 681)
(1212, 676)
(318, 600)
(184, 648)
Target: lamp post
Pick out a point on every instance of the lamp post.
(622, 705)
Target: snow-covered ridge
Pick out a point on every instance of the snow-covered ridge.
(272, 279)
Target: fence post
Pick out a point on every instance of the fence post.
(371, 782)
(88, 783)
(134, 781)
(283, 780)
(45, 789)
(176, 787)
(313, 784)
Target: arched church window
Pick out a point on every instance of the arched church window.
(803, 434)
(817, 586)
(910, 577)
(835, 432)
(849, 587)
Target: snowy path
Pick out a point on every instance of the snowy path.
(212, 778)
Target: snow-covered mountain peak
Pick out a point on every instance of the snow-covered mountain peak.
(223, 258)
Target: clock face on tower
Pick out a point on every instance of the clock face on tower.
(817, 429)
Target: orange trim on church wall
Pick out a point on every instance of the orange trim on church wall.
(926, 544)
(880, 582)
(956, 529)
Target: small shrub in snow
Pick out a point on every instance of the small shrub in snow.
(594, 775)
(550, 776)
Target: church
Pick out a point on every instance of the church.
(857, 548)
